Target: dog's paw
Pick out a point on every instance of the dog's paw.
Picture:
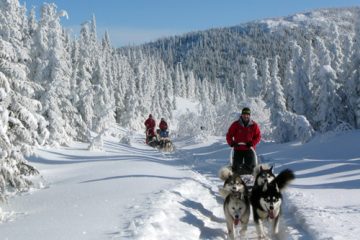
(243, 234)
(263, 237)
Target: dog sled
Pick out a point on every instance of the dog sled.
(164, 142)
(259, 191)
(151, 138)
(247, 177)
(161, 142)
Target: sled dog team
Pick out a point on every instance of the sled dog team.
(265, 198)
(159, 138)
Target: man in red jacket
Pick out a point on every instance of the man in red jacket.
(242, 135)
(150, 128)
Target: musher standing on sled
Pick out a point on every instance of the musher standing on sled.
(150, 128)
(242, 135)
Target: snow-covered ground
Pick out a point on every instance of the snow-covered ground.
(136, 192)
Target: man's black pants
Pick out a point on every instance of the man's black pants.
(243, 162)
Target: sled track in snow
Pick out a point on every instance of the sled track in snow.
(194, 209)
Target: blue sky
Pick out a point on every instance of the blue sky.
(139, 21)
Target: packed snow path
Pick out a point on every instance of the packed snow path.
(194, 209)
(136, 192)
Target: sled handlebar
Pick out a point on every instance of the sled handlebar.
(243, 144)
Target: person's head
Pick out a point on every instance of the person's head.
(150, 116)
(245, 114)
(162, 119)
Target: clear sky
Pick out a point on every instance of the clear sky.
(139, 21)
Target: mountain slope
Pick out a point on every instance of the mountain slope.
(221, 53)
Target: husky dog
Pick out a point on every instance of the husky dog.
(236, 210)
(236, 204)
(166, 145)
(266, 201)
(263, 173)
(232, 182)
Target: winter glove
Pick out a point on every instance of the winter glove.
(232, 144)
(249, 144)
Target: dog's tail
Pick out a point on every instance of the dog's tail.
(284, 178)
(225, 173)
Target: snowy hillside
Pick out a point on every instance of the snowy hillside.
(136, 192)
(73, 162)
(304, 65)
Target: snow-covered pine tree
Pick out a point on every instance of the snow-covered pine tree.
(302, 94)
(252, 86)
(326, 99)
(354, 84)
(21, 126)
(265, 77)
(110, 66)
(83, 79)
(345, 79)
(239, 88)
(165, 101)
(208, 117)
(179, 81)
(103, 111)
(130, 106)
(288, 125)
(52, 49)
(276, 94)
(277, 105)
(335, 49)
(191, 84)
(216, 92)
(124, 73)
(289, 90)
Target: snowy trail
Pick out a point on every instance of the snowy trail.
(88, 194)
(136, 192)
(193, 209)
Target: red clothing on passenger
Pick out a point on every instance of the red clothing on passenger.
(163, 125)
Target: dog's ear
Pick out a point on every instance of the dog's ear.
(271, 169)
(261, 168)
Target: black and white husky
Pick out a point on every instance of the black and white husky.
(263, 173)
(266, 199)
(232, 182)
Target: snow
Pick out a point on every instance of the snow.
(320, 17)
(119, 188)
(131, 191)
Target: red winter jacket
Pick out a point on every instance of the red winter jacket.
(239, 133)
(150, 123)
(163, 126)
